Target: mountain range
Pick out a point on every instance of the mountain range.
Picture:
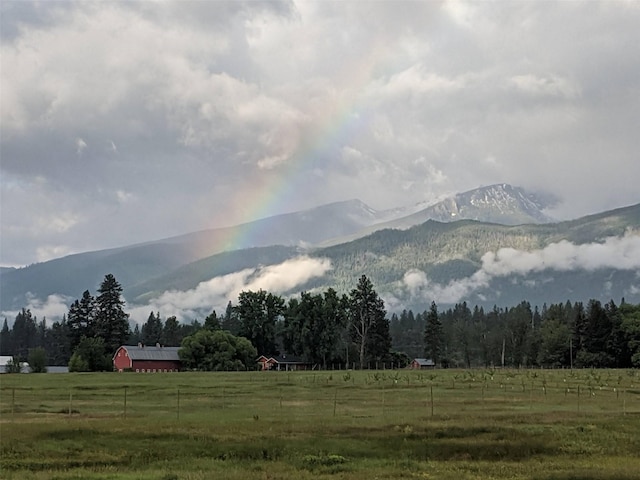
(413, 255)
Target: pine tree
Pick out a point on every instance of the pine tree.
(151, 332)
(433, 336)
(171, 335)
(5, 339)
(81, 319)
(369, 326)
(112, 323)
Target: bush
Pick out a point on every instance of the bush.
(38, 360)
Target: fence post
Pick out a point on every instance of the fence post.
(125, 401)
(70, 401)
(178, 406)
(13, 401)
(335, 400)
(432, 400)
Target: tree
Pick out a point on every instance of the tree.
(631, 329)
(111, 320)
(171, 335)
(58, 346)
(212, 322)
(554, 343)
(210, 350)
(367, 320)
(38, 360)
(152, 330)
(334, 316)
(5, 339)
(230, 321)
(81, 319)
(433, 334)
(258, 313)
(89, 356)
(24, 333)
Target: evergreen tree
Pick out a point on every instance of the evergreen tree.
(5, 339)
(211, 322)
(152, 330)
(58, 346)
(369, 325)
(463, 328)
(171, 334)
(135, 337)
(81, 319)
(24, 334)
(433, 335)
(231, 322)
(112, 322)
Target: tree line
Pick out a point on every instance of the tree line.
(326, 329)
(558, 335)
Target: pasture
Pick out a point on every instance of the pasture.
(386, 424)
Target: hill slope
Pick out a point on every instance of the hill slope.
(444, 257)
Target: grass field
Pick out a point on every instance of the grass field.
(444, 424)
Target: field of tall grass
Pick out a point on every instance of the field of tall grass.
(439, 424)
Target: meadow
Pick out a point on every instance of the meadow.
(386, 424)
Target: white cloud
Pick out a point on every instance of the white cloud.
(53, 308)
(217, 292)
(621, 253)
(80, 146)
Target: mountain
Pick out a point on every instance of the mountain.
(434, 254)
(502, 204)
(135, 264)
(444, 257)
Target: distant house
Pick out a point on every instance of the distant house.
(283, 362)
(147, 359)
(422, 363)
(6, 359)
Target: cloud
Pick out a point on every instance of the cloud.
(189, 104)
(217, 292)
(80, 146)
(621, 253)
(53, 308)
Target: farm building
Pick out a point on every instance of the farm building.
(6, 359)
(282, 362)
(420, 363)
(147, 359)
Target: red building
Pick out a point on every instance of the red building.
(145, 359)
(282, 362)
(422, 363)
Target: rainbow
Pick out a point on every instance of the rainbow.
(269, 192)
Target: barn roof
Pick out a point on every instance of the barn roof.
(144, 352)
(424, 362)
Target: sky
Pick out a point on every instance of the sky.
(123, 122)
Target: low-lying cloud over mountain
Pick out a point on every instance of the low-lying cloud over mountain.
(619, 253)
(217, 292)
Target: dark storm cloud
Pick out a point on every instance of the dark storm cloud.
(126, 121)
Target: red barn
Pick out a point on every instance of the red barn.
(145, 359)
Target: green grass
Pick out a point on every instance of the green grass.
(482, 424)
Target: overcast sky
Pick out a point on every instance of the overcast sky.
(132, 121)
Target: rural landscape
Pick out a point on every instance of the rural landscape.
(308, 239)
